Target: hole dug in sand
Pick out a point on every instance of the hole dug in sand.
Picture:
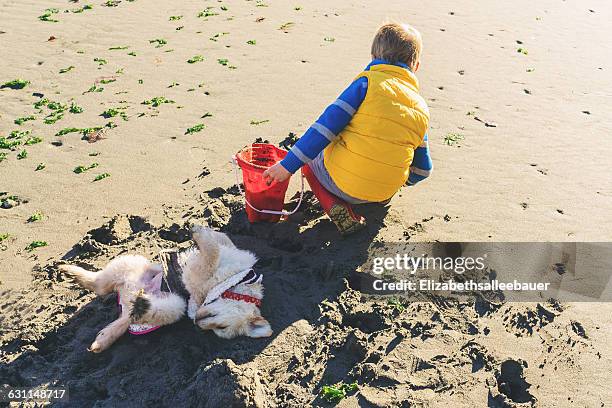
(367, 322)
(222, 383)
(511, 383)
(119, 228)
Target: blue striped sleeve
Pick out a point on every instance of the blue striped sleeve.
(422, 165)
(331, 122)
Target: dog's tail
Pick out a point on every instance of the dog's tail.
(157, 310)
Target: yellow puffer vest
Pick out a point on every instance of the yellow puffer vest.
(370, 159)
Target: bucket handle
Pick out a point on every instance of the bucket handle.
(285, 213)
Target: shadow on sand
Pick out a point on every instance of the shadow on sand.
(303, 263)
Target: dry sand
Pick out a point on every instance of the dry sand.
(541, 172)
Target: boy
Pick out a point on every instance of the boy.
(372, 139)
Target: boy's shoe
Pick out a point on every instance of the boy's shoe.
(345, 219)
(340, 212)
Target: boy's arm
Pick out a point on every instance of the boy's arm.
(422, 165)
(331, 122)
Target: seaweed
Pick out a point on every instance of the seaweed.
(3, 156)
(32, 140)
(112, 112)
(175, 18)
(157, 101)
(336, 393)
(65, 131)
(160, 42)
(37, 216)
(82, 9)
(207, 12)
(119, 47)
(252, 42)
(285, 27)
(67, 69)
(522, 51)
(46, 16)
(450, 139)
(22, 120)
(100, 61)
(83, 169)
(22, 154)
(132, 53)
(40, 166)
(195, 58)
(7, 144)
(53, 117)
(74, 108)
(396, 304)
(15, 84)
(40, 103)
(259, 122)
(194, 129)
(94, 88)
(18, 134)
(56, 106)
(10, 201)
(101, 176)
(35, 244)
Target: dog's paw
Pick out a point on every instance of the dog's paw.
(202, 234)
(199, 229)
(68, 270)
(95, 347)
(71, 273)
(140, 306)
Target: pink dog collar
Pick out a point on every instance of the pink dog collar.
(135, 328)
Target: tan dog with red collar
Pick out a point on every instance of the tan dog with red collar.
(218, 287)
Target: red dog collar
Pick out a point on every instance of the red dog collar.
(228, 294)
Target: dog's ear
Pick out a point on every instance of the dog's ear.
(259, 327)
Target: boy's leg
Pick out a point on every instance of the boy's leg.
(340, 212)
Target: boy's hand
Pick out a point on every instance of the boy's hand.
(276, 173)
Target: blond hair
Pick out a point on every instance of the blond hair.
(395, 42)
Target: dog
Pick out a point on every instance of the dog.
(218, 288)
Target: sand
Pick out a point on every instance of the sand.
(531, 164)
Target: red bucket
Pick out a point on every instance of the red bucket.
(264, 203)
